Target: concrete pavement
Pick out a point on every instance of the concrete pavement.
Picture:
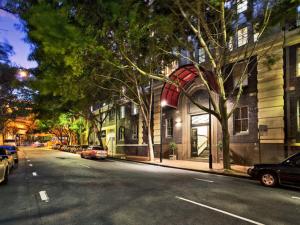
(69, 190)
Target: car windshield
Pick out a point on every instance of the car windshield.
(290, 157)
(97, 148)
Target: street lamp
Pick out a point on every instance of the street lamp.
(163, 103)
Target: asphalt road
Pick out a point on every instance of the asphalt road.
(52, 187)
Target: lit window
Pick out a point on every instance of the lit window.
(240, 70)
(230, 43)
(242, 36)
(241, 120)
(201, 58)
(134, 131)
(255, 37)
(242, 6)
(298, 63)
(169, 128)
(121, 133)
(122, 112)
(134, 109)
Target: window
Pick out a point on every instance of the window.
(242, 36)
(298, 16)
(121, 133)
(242, 6)
(134, 109)
(103, 133)
(298, 62)
(240, 70)
(111, 114)
(201, 56)
(169, 127)
(241, 120)
(230, 43)
(134, 131)
(122, 112)
(298, 115)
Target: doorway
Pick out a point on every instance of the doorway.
(200, 136)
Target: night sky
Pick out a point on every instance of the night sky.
(12, 34)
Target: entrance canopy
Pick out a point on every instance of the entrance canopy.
(182, 77)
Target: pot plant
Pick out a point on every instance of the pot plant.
(172, 149)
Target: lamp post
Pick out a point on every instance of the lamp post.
(209, 136)
(163, 103)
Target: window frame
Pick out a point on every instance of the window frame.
(202, 56)
(241, 6)
(235, 81)
(134, 109)
(135, 132)
(240, 119)
(121, 136)
(242, 36)
(169, 128)
(122, 114)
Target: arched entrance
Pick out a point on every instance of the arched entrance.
(196, 124)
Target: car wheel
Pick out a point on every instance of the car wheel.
(268, 179)
(81, 155)
(5, 181)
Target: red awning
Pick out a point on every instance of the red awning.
(182, 76)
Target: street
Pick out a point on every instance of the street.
(53, 187)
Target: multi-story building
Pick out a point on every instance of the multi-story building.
(266, 124)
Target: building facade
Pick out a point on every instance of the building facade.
(265, 127)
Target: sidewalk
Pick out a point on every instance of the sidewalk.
(236, 170)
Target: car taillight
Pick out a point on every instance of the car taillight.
(94, 152)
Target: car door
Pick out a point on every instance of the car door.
(2, 168)
(290, 171)
(2, 163)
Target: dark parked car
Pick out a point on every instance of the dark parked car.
(270, 175)
(13, 151)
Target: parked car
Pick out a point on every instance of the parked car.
(37, 144)
(13, 150)
(94, 152)
(64, 147)
(4, 167)
(75, 148)
(270, 175)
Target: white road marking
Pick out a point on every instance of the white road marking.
(84, 165)
(28, 160)
(209, 181)
(221, 211)
(44, 196)
(34, 174)
(294, 197)
(30, 165)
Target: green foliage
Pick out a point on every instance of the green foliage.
(173, 147)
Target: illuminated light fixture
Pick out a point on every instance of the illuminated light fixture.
(178, 122)
(23, 73)
(163, 103)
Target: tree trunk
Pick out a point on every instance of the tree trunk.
(150, 144)
(225, 134)
(225, 144)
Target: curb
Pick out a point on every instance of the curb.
(194, 170)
